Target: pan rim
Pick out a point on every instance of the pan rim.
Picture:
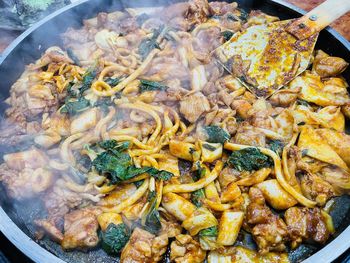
(38, 253)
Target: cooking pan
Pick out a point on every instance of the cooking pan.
(16, 218)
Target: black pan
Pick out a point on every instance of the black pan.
(28, 47)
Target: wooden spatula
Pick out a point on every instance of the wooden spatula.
(266, 57)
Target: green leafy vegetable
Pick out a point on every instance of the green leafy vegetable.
(73, 107)
(244, 15)
(148, 44)
(73, 57)
(88, 77)
(209, 232)
(152, 222)
(115, 238)
(216, 134)
(118, 164)
(276, 146)
(197, 197)
(138, 183)
(249, 159)
(147, 85)
(232, 17)
(113, 81)
(227, 35)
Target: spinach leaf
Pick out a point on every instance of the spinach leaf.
(75, 106)
(216, 134)
(152, 222)
(232, 17)
(147, 85)
(249, 159)
(140, 19)
(115, 238)
(197, 197)
(227, 35)
(148, 44)
(118, 164)
(138, 183)
(88, 78)
(276, 146)
(243, 16)
(209, 232)
(113, 81)
(73, 57)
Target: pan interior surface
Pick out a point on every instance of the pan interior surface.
(30, 47)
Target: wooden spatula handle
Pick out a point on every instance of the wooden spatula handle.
(318, 18)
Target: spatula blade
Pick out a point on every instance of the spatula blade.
(266, 57)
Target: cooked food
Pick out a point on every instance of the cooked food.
(137, 142)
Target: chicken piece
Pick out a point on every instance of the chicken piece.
(221, 8)
(144, 247)
(248, 135)
(50, 229)
(54, 54)
(186, 250)
(198, 11)
(242, 107)
(59, 201)
(170, 227)
(284, 98)
(314, 188)
(256, 17)
(327, 66)
(80, 229)
(32, 159)
(321, 93)
(306, 223)
(339, 141)
(269, 230)
(335, 176)
(193, 106)
(227, 176)
(26, 183)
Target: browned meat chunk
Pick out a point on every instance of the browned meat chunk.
(80, 229)
(221, 8)
(186, 249)
(26, 183)
(248, 135)
(50, 229)
(316, 188)
(193, 106)
(327, 66)
(198, 11)
(33, 159)
(269, 230)
(144, 247)
(306, 223)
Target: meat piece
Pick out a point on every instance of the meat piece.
(242, 107)
(221, 8)
(248, 135)
(206, 41)
(186, 249)
(316, 189)
(306, 223)
(80, 229)
(144, 247)
(268, 230)
(33, 159)
(284, 98)
(25, 183)
(59, 201)
(193, 106)
(174, 10)
(56, 55)
(198, 11)
(327, 66)
(50, 229)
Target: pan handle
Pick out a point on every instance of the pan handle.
(318, 18)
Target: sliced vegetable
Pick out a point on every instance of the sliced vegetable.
(227, 35)
(197, 197)
(88, 77)
(276, 146)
